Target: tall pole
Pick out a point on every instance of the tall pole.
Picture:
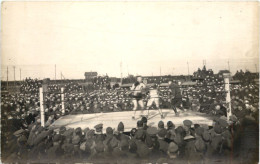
(121, 72)
(7, 78)
(55, 71)
(14, 73)
(14, 79)
(20, 74)
(228, 98)
(188, 68)
(62, 101)
(42, 108)
(127, 70)
(228, 66)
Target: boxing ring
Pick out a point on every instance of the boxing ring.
(113, 118)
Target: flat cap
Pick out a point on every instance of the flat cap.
(187, 123)
(188, 137)
(99, 127)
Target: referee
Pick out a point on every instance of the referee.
(176, 97)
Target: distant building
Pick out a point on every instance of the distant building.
(223, 71)
(90, 75)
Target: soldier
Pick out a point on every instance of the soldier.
(196, 155)
(163, 145)
(153, 143)
(161, 125)
(142, 149)
(120, 152)
(170, 131)
(144, 121)
(173, 151)
(121, 136)
(99, 136)
(187, 126)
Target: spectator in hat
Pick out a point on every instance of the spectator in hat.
(170, 131)
(172, 155)
(161, 125)
(163, 145)
(187, 125)
(197, 153)
(99, 136)
(120, 152)
(121, 136)
(142, 149)
(144, 121)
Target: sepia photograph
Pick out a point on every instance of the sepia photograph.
(130, 82)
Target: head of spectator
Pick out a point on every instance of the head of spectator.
(120, 127)
(161, 125)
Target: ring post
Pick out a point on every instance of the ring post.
(62, 101)
(227, 89)
(42, 108)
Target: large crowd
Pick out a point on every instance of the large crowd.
(232, 141)
(24, 138)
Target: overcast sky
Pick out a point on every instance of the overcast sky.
(145, 36)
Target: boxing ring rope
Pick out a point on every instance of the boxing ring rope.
(44, 89)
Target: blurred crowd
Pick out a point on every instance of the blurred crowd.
(20, 114)
(232, 141)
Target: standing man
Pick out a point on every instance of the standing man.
(176, 98)
(137, 95)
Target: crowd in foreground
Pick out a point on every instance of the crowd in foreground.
(227, 141)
